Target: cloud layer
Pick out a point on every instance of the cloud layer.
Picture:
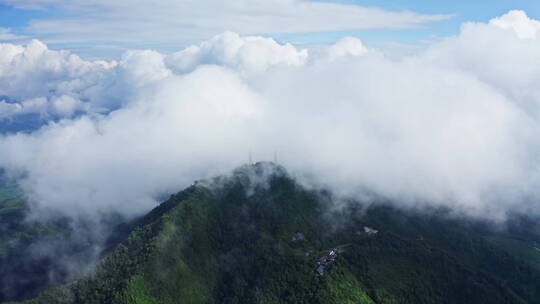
(454, 125)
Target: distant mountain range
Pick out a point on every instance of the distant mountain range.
(258, 236)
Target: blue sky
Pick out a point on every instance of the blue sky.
(58, 25)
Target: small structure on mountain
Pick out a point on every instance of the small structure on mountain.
(370, 231)
(325, 261)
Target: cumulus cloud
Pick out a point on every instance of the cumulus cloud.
(520, 23)
(347, 46)
(454, 125)
(39, 80)
(251, 54)
(172, 21)
(60, 84)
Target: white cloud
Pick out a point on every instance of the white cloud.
(34, 71)
(174, 22)
(520, 23)
(156, 145)
(504, 59)
(347, 46)
(250, 54)
(456, 124)
(66, 106)
(69, 84)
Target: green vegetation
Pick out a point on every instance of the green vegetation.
(521, 238)
(524, 249)
(232, 243)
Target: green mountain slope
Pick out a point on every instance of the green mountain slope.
(231, 241)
